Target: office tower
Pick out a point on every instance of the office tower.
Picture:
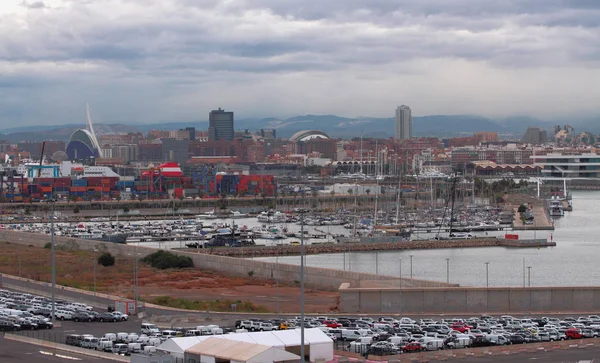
(403, 123)
(220, 125)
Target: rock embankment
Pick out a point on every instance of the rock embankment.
(313, 249)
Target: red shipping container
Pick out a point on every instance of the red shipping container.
(511, 236)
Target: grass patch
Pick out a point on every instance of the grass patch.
(211, 305)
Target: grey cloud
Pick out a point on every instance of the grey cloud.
(182, 43)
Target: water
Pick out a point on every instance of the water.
(573, 262)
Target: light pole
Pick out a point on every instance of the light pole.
(400, 283)
(53, 263)
(529, 275)
(19, 252)
(277, 283)
(487, 280)
(411, 258)
(95, 263)
(376, 263)
(302, 354)
(447, 270)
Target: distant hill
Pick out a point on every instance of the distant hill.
(335, 126)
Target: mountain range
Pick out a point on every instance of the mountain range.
(335, 126)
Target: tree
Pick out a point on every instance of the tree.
(76, 209)
(118, 198)
(368, 191)
(350, 191)
(106, 259)
(522, 208)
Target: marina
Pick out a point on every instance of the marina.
(573, 262)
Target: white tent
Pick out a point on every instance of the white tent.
(212, 349)
(177, 346)
(317, 344)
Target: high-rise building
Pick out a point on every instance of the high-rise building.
(220, 126)
(403, 123)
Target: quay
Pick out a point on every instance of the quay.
(313, 249)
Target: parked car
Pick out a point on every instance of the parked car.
(412, 347)
(107, 317)
(82, 316)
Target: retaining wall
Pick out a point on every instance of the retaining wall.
(379, 299)
(321, 278)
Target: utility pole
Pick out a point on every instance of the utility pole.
(447, 270)
(53, 263)
(487, 280)
(302, 353)
(411, 270)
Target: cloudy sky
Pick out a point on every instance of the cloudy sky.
(157, 60)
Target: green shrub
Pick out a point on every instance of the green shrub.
(522, 208)
(163, 260)
(106, 259)
(48, 245)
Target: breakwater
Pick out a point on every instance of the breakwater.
(313, 249)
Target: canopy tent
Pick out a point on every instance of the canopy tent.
(239, 351)
(318, 345)
(177, 346)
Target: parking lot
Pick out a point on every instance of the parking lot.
(17, 352)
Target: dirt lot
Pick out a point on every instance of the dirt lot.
(76, 269)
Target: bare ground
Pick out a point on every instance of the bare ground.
(76, 269)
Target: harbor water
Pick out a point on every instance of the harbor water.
(575, 261)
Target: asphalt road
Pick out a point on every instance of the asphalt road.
(17, 352)
(557, 356)
(97, 329)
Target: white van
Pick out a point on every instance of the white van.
(434, 344)
(121, 337)
(90, 343)
(149, 349)
(216, 331)
(398, 340)
(155, 342)
(110, 336)
(193, 333)
(497, 339)
(169, 334)
(134, 347)
(148, 328)
(350, 334)
(459, 342)
(357, 347)
(105, 345)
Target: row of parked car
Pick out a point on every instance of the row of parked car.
(35, 308)
(388, 336)
(146, 341)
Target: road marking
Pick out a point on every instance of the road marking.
(59, 355)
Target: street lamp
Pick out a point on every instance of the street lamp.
(487, 280)
(529, 275)
(447, 270)
(95, 263)
(411, 258)
(53, 262)
(302, 353)
(400, 283)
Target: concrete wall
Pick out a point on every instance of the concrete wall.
(315, 277)
(468, 299)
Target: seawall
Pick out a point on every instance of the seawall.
(315, 277)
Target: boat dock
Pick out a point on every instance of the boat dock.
(542, 221)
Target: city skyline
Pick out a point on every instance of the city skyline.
(176, 62)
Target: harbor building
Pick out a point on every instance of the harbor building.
(565, 166)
